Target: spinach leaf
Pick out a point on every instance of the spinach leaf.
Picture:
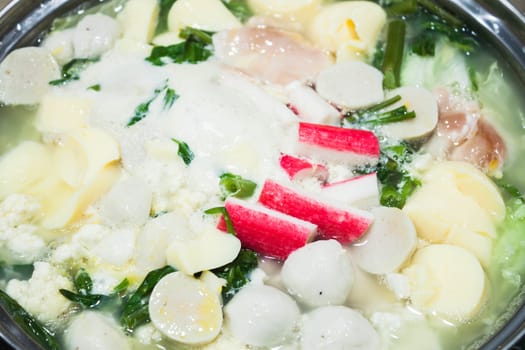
(239, 8)
(375, 115)
(170, 96)
(509, 190)
(435, 9)
(424, 45)
(225, 215)
(28, 323)
(236, 273)
(95, 87)
(83, 285)
(162, 20)
(121, 287)
(135, 309)
(89, 301)
(235, 186)
(142, 110)
(379, 55)
(401, 7)
(184, 151)
(21, 272)
(397, 184)
(460, 37)
(83, 282)
(194, 49)
(71, 70)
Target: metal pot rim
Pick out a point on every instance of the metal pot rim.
(501, 22)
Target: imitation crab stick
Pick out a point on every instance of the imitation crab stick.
(267, 231)
(344, 225)
(360, 191)
(299, 168)
(333, 143)
(309, 106)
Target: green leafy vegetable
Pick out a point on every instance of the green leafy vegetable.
(83, 285)
(95, 87)
(393, 59)
(194, 49)
(28, 323)
(225, 215)
(239, 8)
(21, 272)
(142, 110)
(89, 301)
(235, 186)
(509, 189)
(460, 37)
(401, 7)
(162, 20)
(83, 282)
(508, 253)
(432, 7)
(424, 45)
(170, 96)
(236, 273)
(71, 70)
(379, 55)
(396, 182)
(376, 115)
(135, 309)
(121, 287)
(184, 151)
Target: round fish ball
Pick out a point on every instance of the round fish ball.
(94, 35)
(319, 274)
(261, 315)
(337, 327)
(25, 75)
(92, 331)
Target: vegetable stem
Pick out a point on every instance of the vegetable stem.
(28, 323)
(394, 54)
(383, 105)
(402, 8)
(432, 7)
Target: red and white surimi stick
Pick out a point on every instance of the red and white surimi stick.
(333, 143)
(300, 168)
(360, 191)
(309, 106)
(266, 231)
(344, 225)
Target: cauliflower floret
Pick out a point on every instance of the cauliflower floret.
(18, 209)
(164, 179)
(18, 238)
(39, 295)
(148, 334)
(106, 254)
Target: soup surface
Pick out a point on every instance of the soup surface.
(261, 174)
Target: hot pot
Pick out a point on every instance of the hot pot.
(501, 23)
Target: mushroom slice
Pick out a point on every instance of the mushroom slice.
(351, 84)
(389, 242)
(424, 104)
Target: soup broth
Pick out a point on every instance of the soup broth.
(206, 174)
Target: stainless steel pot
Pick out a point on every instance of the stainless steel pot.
(500, 22)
